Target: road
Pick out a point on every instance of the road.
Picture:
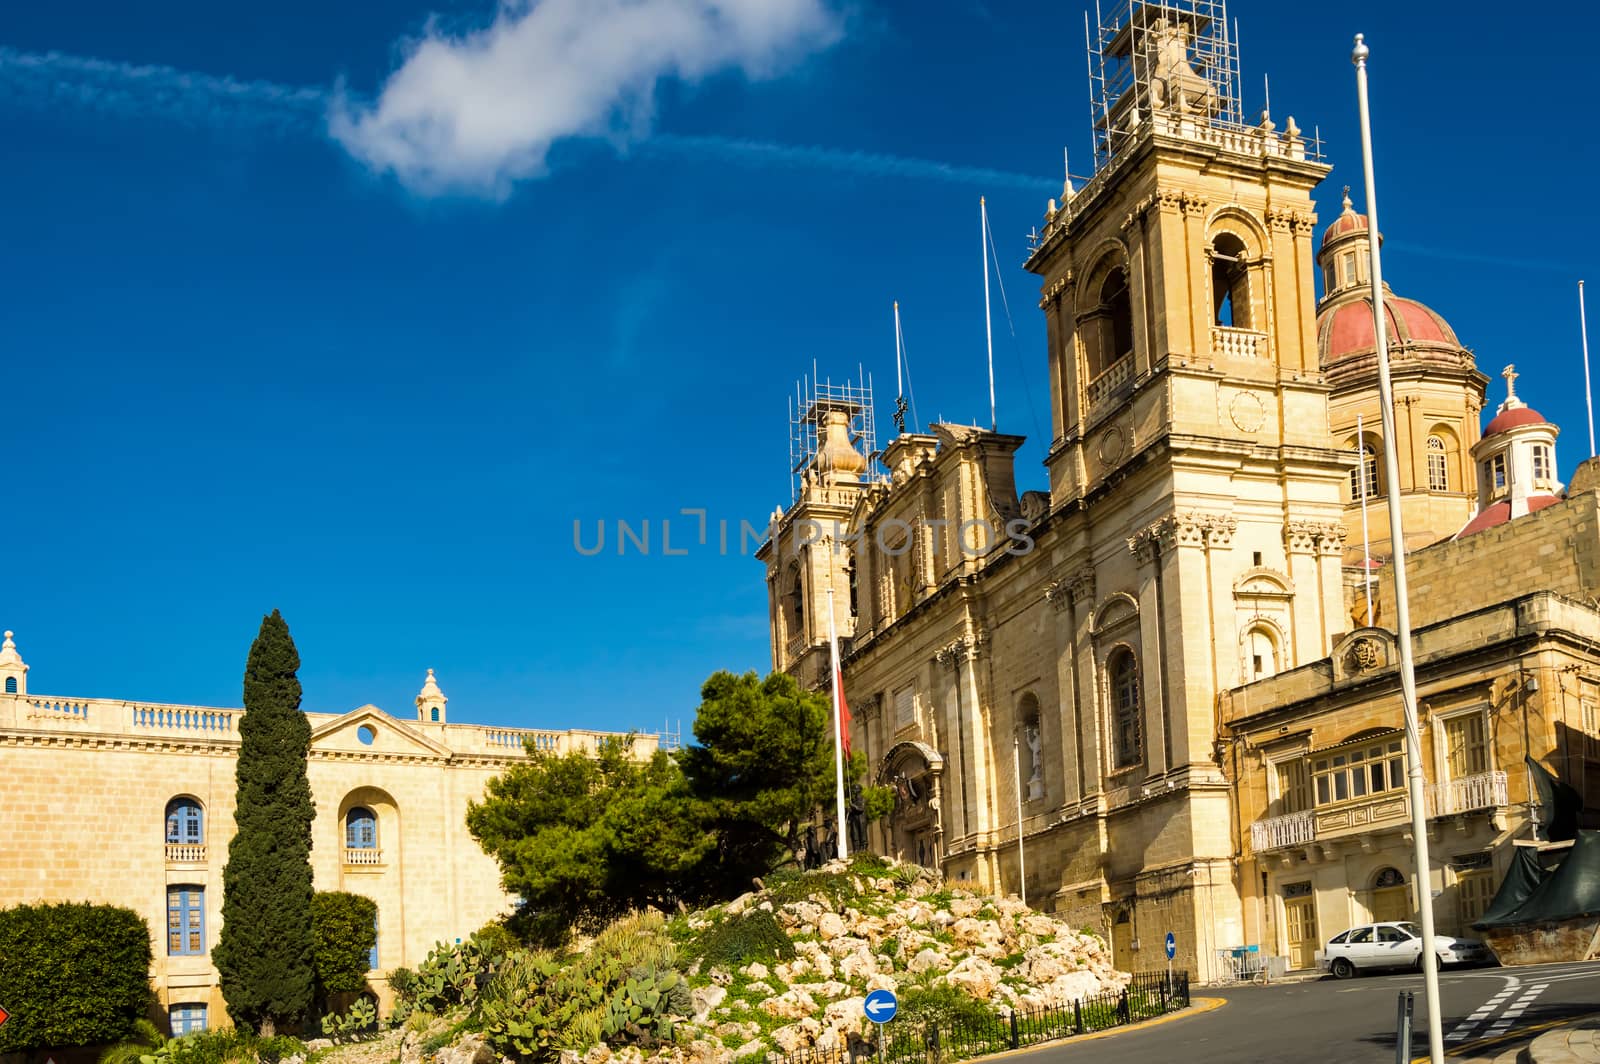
(1347, 1021)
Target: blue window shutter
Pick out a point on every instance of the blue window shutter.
(185, 821)
(186, 921)
(361, 829)
(372, 955)
(11, 689)
(12, 684)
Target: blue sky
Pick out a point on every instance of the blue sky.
(249, 365)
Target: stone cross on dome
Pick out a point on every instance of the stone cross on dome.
(1510, 374)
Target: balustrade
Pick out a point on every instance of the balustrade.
(1228, 342)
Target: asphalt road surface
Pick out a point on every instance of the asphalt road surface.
(1341, 1021)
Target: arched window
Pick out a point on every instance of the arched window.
(1366, 472)
(793, 598)
(1124, 680)
(1230, 282)
(1260, 654)
(360, 829)
(185, 822)
(1106, 328)
(435, 716)
(11, 685)
(1438, 465)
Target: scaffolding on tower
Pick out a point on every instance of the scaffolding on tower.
(811, 401)
(1179, 57)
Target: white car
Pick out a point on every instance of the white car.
(1395, 945)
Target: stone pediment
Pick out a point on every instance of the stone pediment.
(1262, 582)
(1362, 653)
(389, 737)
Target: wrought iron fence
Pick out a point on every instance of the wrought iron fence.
(939, 1041)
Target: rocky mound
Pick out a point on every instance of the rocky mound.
(850, 932)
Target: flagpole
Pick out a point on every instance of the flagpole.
(988, 323)
(1016, 770)
(838, 716)
(1423, 878)
(1366, 547)
(1588, 396)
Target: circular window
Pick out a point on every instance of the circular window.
(366, 734)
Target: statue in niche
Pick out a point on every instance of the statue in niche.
(1036, 755)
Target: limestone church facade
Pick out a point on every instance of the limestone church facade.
(1067, 666)
(131, 803)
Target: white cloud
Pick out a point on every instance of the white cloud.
(475, 113)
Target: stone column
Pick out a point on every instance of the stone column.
(956, 797)
(979, 766)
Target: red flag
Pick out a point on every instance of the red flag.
(844, 713)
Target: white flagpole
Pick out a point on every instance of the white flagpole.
(1016, 769)
(1588, 396)
(1366, 544)
(1423, 879)
(899, 373)
(838, 718)
(988, 324)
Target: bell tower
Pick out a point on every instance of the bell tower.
(1178, 282)
(1192, 469)
(832, 450)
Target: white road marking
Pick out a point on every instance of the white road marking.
(1508, 1017)
(1464, 1030)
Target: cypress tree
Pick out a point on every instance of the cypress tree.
(265, 954)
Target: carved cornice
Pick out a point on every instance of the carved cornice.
(1314, 537)
(962, 650)
(1190, 528)
(1285, 220)
(870, 708)
(1058, 595)
(1056, 290)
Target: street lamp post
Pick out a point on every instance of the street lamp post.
(1402, 610)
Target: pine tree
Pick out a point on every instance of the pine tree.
(265, 953)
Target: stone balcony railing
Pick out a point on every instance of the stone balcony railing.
(359, 856)
(186, 853)
(1486, 790)
(98, 716)
(1110, 379)
(1228, 342)
(1280, 832)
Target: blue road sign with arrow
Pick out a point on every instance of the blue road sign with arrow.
(881, 1005)
(1172, 945)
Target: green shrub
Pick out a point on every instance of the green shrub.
(343, 929)
(495, 938)
(143, 1039)
(451, 975)
(829, 889)
(944, 1004)
(72, 974)
(753, 935)
(360, 1021)
(271, 1050)
(903, 875)
(624, 988)
(226, 1045)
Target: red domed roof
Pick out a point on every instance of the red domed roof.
(1346, 329)
(1348, 222)
(1499, 513)
(1510, 419)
